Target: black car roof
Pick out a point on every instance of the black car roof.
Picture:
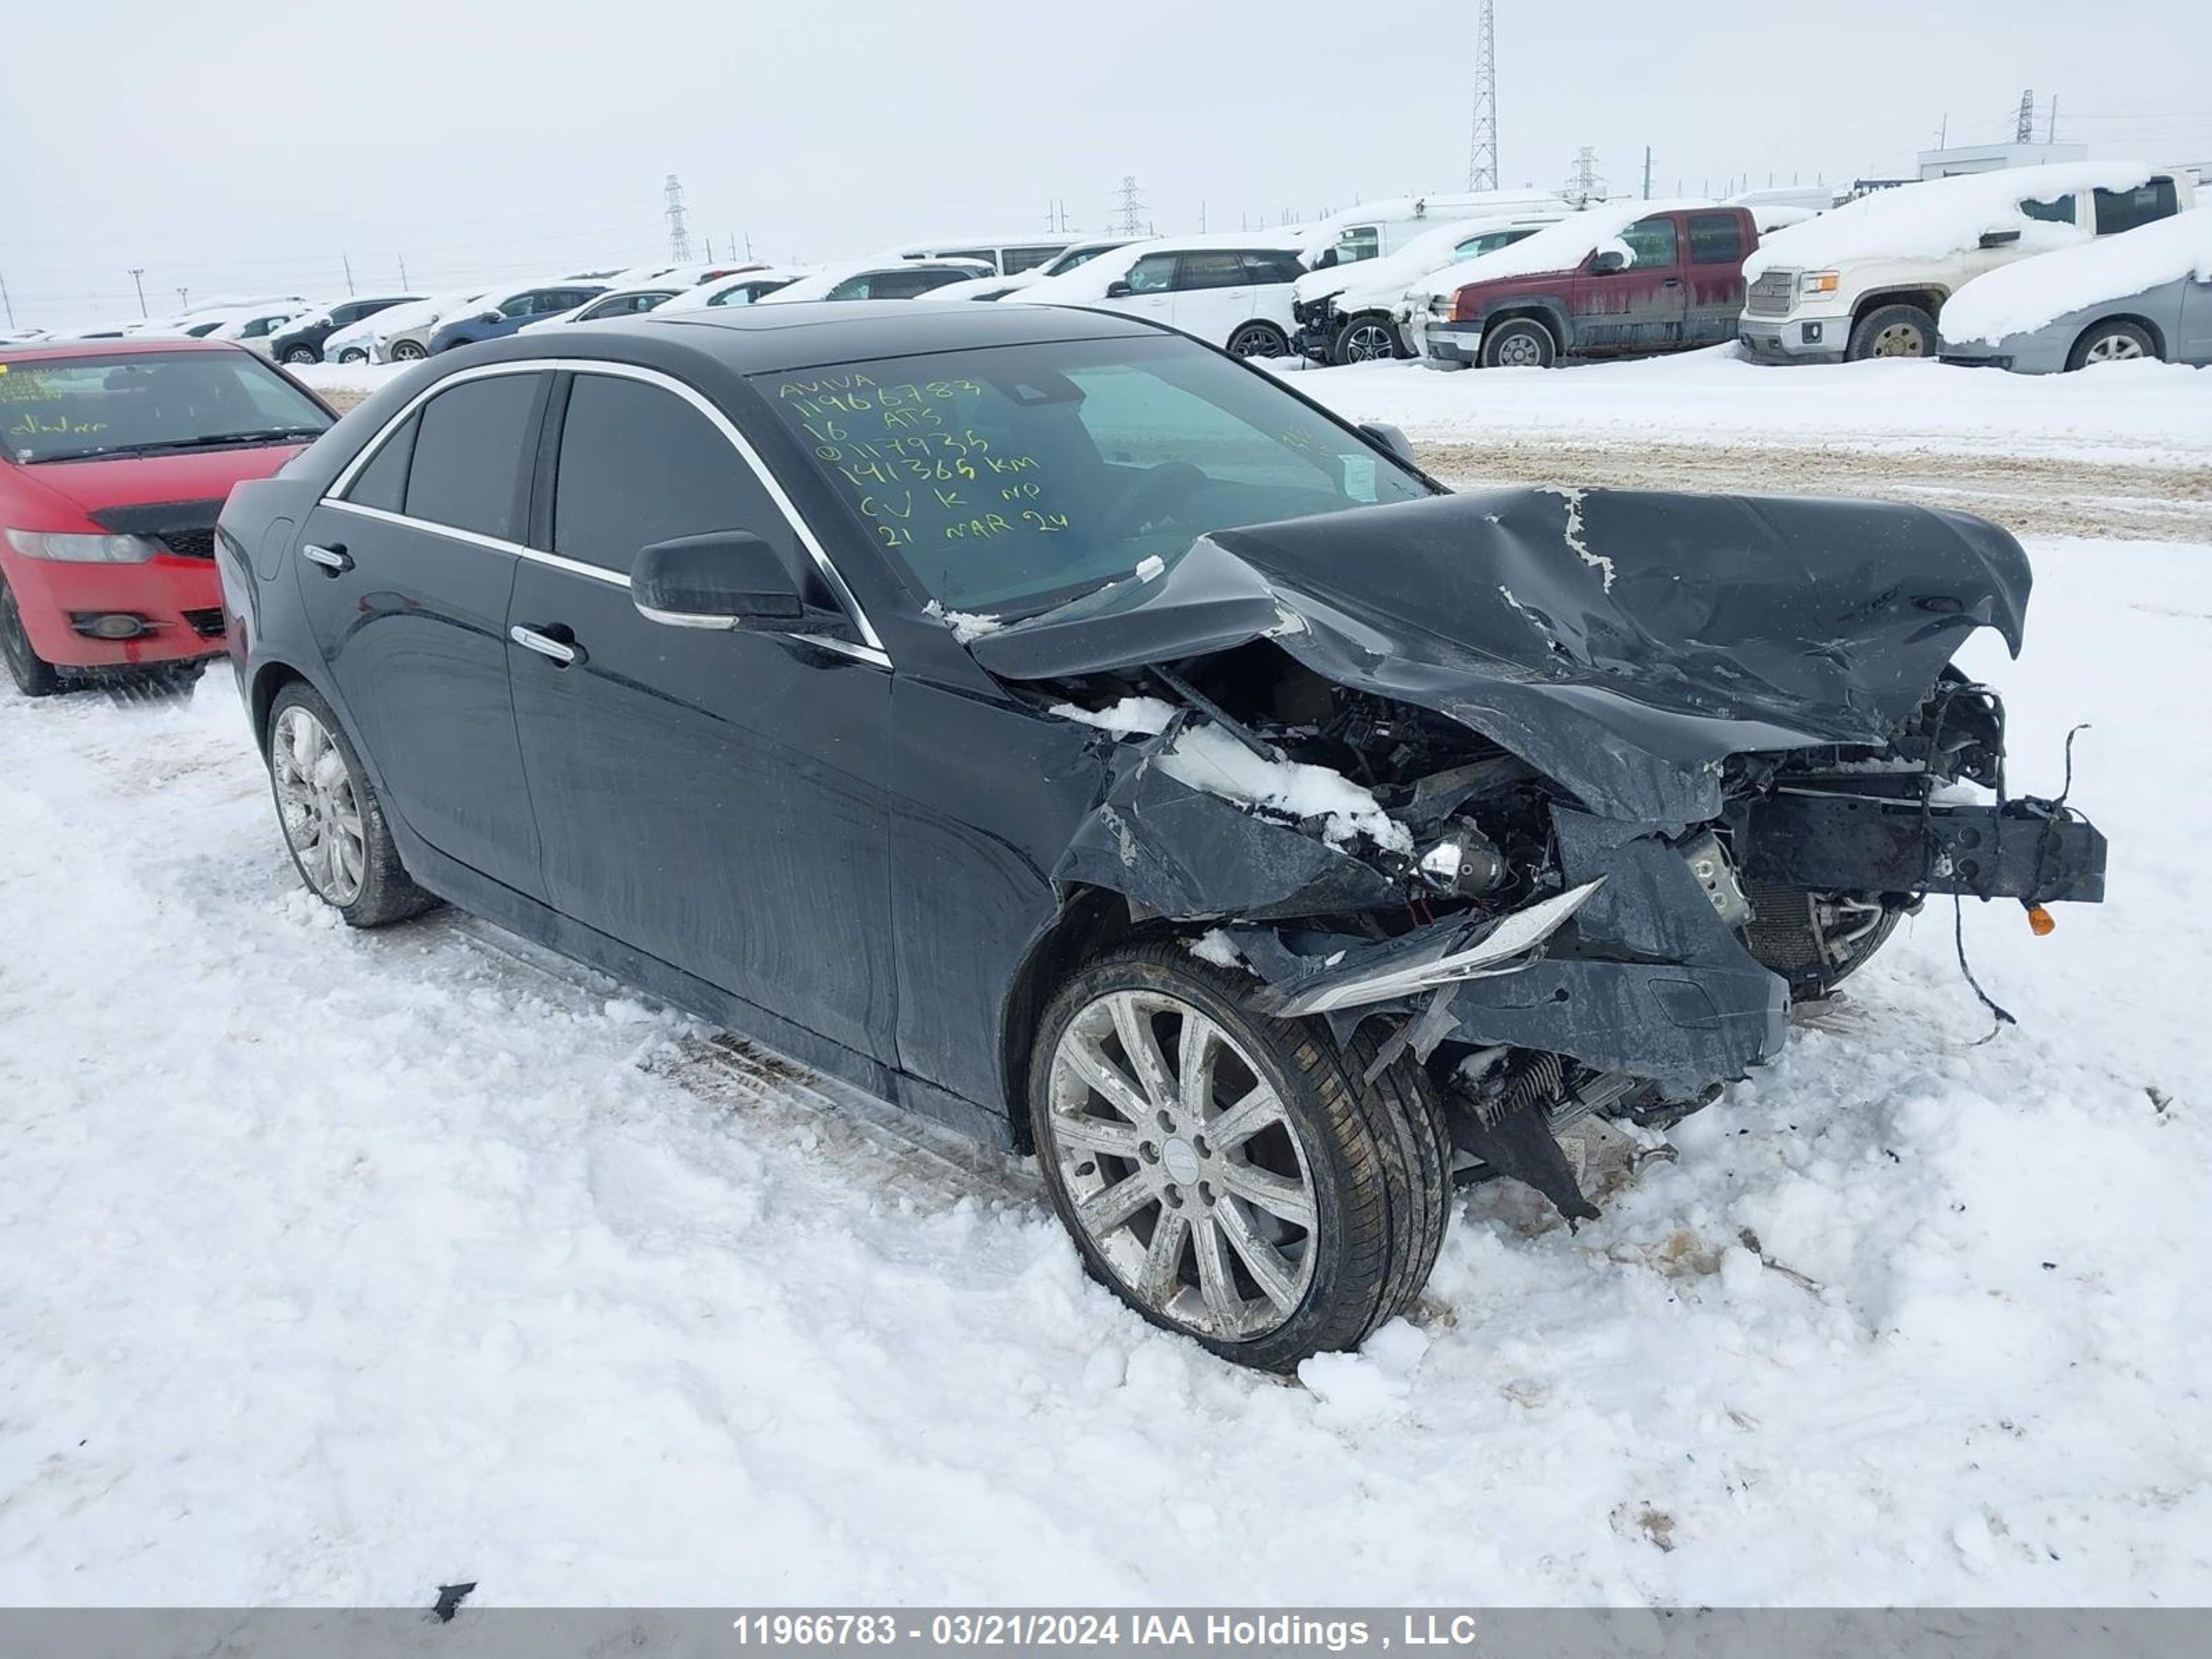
(768, 339)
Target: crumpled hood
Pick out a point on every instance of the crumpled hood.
(1624, 642)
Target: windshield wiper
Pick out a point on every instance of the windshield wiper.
(215, 440)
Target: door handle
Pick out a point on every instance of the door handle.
(561, 651)
(334, 560)
(1672, 281)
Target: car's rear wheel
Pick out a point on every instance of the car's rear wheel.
(1367, 338)
(33, 675)
(1519, 343)
(302, 353)
(2111, 343)
(353, 354)
(1230, 1176)
(1892, 331)
(333, 824)
(409, 351)
(1259, 340)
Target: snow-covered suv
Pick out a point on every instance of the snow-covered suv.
(1869, 279)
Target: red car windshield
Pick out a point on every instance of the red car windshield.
(66, 409)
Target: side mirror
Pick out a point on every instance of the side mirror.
(490, 317)
(1119, 290)
(1606, 262)
(724, 579)
(1390, 438)
(1999, 238)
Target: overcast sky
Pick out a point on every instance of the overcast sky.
(247, 147)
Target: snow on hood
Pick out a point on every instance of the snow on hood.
(1561, 247)
(1939, 217)
(2016, 298)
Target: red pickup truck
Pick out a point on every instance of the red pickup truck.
(1668, 280)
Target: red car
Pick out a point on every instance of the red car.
(116, 457)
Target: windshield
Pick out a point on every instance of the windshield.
(69, 408)
(1012, 478)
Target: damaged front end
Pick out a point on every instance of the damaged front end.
(1575, 792)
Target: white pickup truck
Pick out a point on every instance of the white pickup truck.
(1869, 279)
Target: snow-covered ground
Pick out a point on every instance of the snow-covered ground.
(334, 1266)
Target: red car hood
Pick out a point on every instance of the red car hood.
(136, 480)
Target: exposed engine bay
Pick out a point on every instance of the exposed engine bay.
(1576, 793)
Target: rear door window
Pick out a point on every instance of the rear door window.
(1272, 265)
(2124, 210)
(471, 452)
(1211, 270)
(1026, 258)
(638, 466)
(1716, 239)
(383, 482)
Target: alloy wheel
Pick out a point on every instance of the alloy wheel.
(1183, 1167)
(1255, 342)
(1519, 350)
(320, 811)
(407, 351)
(2113, 349)
(1366, 343)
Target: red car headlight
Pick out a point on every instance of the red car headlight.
(82, 549)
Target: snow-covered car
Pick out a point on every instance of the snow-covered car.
(2145, 294)
(1377, 230)
(302, 339)
(997, 288)
(256, 327)
(1229, 288)
(617, 302)
(401, 335)
(749, 288)
(1871, 278)
(875, 279)
(1355, 314)
(1000, 255)
(1041, 720)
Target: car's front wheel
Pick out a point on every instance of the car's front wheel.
(2111, 343)
(1231, 1176)
(409, 351)
(354, 354)
(333, 824)
(302, 353)
(1519, 343)
(33, 675)
(1370, 337)
(1892, 331)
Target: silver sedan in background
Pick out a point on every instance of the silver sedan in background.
(2146, 293)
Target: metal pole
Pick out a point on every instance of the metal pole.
(6, 302)
(403, 271)
(1647, 172)
(348, 261)
(136, 272)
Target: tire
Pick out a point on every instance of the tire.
(1259, 340)
(1367, 338)
(409, 351)
(1352, 1181)
(324, 800)
(33, 675)
(353, 354)
(302, 354)
(1519, 343)
(1891, 332)
(2111, 343)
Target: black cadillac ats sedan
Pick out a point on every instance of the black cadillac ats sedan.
(1066, 732)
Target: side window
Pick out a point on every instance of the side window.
(990, 255)
(639, 465)
(1153, 274)
(852, 287)
(1652, 241)
(1211, 270)
(1360, 242)
(521, 305)
(2123, 209)
(1272, 265)
(2058, 210)
(471, 455)
(383, 482)
(1716, 239)
(1025, 258)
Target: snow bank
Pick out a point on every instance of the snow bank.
(1560, 246)
(2016, 298)
(1939, 217)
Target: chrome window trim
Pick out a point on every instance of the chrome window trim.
(870, 651)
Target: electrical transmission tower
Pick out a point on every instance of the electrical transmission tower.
(1133, 210)
(679, 236)
(2024, 132)
(1584, 186)
(1482, 144)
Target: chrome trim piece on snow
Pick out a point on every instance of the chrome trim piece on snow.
(872, 651)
